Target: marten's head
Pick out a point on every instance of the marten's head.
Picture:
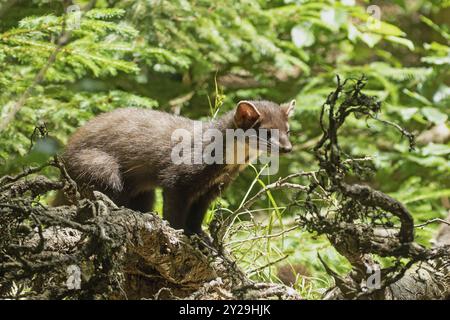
(266, 115)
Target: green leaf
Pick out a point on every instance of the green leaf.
(302, 36)
(407, 113)
(387, 29)
(436, 149)
(434, 115)
(333, 18)
(428, 195)
(417, 97)
(105, 13)
(370, 39)
(403, 41)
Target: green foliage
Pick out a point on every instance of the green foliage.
(201, 57)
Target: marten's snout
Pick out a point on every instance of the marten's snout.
(286, 149)
(285, 146)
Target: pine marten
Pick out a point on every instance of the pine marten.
(127, 153)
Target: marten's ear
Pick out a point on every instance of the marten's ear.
(246, 115)
(289, 108)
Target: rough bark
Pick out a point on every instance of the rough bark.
(121, 254)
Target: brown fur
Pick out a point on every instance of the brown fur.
(126, 153)
(288, 274)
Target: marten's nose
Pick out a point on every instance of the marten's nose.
(286, 149)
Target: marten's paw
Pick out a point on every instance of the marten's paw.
(202, 236)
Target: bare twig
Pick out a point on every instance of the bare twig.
(435, 220)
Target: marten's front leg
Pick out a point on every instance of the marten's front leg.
(198, 210)
(175, 207)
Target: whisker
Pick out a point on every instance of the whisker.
(268, 143)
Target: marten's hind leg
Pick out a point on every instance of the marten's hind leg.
(95, 168)
(92, 169)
